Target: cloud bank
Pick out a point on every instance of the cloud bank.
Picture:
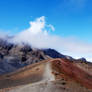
(38, 36)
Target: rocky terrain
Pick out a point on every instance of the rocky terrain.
(27, 69)
(15, 56)
(58, 75)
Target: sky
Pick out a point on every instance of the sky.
(62, 21)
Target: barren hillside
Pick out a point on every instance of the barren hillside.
(58, 75)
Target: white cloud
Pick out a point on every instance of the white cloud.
(51, 26)
(3, 34)
(37, 26)
(38, 36)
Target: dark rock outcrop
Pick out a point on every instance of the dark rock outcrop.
(53, 53)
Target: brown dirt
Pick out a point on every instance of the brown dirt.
(69, 74)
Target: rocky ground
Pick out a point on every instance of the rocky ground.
(58, 75)
(27, 69)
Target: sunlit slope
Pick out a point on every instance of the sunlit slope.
(58, 75)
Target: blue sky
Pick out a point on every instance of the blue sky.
(71, 18)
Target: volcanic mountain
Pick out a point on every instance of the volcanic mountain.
(15, 56)
(27, 69)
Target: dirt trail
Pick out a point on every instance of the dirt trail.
(45, 72)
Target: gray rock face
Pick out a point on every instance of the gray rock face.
(13, 56)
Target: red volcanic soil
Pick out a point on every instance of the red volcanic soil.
(70, 69)
(64, 69)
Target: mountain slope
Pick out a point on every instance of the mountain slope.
(15, 56)
(58, 75)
